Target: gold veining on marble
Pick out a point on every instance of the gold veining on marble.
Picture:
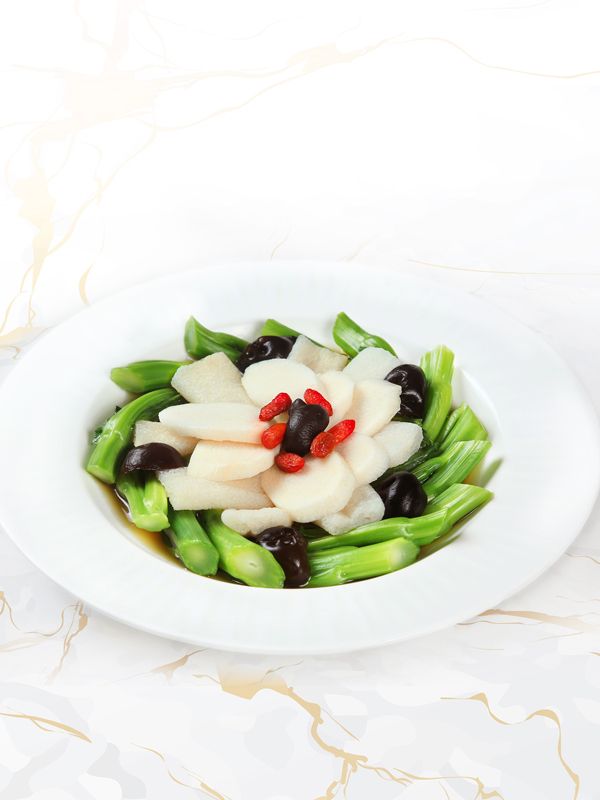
(47, 725)
(547, 713)
(209, 790)
(486, 271)
(569, 621)
(169, 669)
(78, 623)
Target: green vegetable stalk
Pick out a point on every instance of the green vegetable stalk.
(415, 529)
(457, 501)
(144, 376)
(146, 499)
(273, 327)
(462, 425)
(333, 569)
(200, 341)
(191, 543)
(348, 335)
(452, 466)
(117, 432)
(240, 557)
(438, 366)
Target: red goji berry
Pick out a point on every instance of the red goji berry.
(280, 403)
(342, 430)
(273, 435)
(323, 444)
(289, 462)
(314, 398)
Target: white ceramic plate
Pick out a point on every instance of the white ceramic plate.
(63, 521)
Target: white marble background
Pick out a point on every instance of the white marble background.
(459, 139)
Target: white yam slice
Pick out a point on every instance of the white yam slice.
(219, 422)
(229, 461)
(196, 494)
(338, 389)
(214, 379)
(253, 521)
(322, 487)
(366, 458)
(373, 405)
(319, 359)
(400, 440)
(147, 432)
(365, 506)
(266, 379)
(371, 363)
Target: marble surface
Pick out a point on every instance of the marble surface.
(455, 139)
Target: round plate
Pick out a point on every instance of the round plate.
(63, 521)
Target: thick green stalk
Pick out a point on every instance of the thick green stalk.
(452, 466)
(191, 543)
(144, 376)
(273, 327)
(146, 499)
(415, 529)
(363, 562)
(462, 425)
(240, 557)
(348, 335)
(200, 341)
(117, 432)
(457, 501)
(438, 366)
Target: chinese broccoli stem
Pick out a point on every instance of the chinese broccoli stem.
(200, 341)
(191, 543)
(452, 466)
(438, 366)
(362, 562)
(273, 327)
(348, 335)
(457, 501)
(462, 425)
(240, 557)
(144, 376)
(110, 445)
(415, 529)
(146, 499)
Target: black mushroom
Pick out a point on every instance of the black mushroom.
(305, 421)
(290, 549)
(414, 387)
(402, 495)
(152, 456)
(264, 349)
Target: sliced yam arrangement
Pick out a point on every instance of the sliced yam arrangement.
(250, 521)
(319, 359)
(374, 403)
(214, 379)
(265, 380)
(185, 492)
(218, 422)
(400, 440)
(323, 487)
(229, 461)
(372, 363)
(338, 389)
(149, 432)
(366, 458)
(364, 506)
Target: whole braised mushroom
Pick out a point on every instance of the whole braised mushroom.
(290, 549)
(264, 349)
(304, 423)
(402, 495)
(152, 456)
(414, 387)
